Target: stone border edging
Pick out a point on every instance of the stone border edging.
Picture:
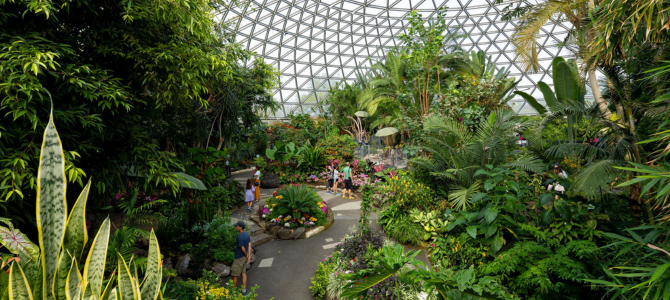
(241, 171)
(294, 233)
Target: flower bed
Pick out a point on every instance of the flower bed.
(294, 206)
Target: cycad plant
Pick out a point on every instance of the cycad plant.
(297, 200)
(52, 270)
(454, 153)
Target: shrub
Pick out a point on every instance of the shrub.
(295, 206)
(409, 193)
(320, 280)
(338, 147)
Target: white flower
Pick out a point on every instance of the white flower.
(280, 216)
(287, 225)
(347, 272)
(288, 217)
(270, 210)
(303, 218)
(264, 215)
(423, 296)
(266, 206)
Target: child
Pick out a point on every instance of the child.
(329, 176)
(249, 194)
(336, 176)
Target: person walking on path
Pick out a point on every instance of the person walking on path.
(257, 184)
(249, 194)
(329, 177)
(242, 256)
(348, 186)
(336, 178)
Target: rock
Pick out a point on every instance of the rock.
(139, 253)
(182, 264)
(142, 243)
(298, 232)
(207, 264)
(252, 259)
(270, 181)
(274, 230)
(285, 233)
(167, 263)
(221, 270)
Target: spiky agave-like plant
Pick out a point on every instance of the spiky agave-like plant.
(62, 239)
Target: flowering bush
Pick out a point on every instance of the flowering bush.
(408, 193)
(295, 206)
(337, 148)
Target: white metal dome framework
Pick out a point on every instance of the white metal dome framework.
(316, 44)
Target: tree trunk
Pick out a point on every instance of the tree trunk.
(602, 105)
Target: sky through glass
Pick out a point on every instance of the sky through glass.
(316, 44)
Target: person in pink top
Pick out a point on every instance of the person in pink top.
(249, 192)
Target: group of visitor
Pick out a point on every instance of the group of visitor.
(252, 192)
(333, 176)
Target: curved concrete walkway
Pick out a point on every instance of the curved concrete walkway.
(283, 269)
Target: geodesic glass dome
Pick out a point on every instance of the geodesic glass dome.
(316, 44)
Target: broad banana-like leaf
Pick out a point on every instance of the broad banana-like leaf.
(74, 241)
(109, 288)
(16, 242)
(549, 96)
(127, 288)
(533, 102)
(152, 280)
(74, 282)
(51, 203)
(19, 289)
(95, 262)
(564, 81)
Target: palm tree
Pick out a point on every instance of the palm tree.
(532, 20)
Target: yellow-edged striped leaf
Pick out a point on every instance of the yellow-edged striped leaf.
(127, 288)
(152, 280)
(112, 295)
(74, 241)
(73, 284)
(19, 289)
(108, 289)
(95, 262)
(51, 204)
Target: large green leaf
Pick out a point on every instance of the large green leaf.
(95, 262)
(354, 291)
(152, 280)
(16, 242)
(126, 283)
(51, 203)
(533, 102)
(74, 241)
(549, 96)
(565, 83)
(497, 243)
(18, 284)
(73, 280)
(490, 214)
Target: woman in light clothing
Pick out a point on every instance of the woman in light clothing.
(336, 176)
(249, 194)
(257, 180)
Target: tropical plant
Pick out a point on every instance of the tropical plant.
(282, 153)
(297, 200)
(568, 96)
(311, 158)
(53, 273)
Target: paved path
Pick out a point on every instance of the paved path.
(283, 269)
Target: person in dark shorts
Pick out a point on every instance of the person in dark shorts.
(242, 256)
(329, 177)
(348, 185)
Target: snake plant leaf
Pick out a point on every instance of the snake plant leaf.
(73, 284)
(16, 241)
(152, 280)
(126, 281)
(95, 262)
(19, 289)
(51, 203)
(74, 241)
(112, 295)
(109, 288)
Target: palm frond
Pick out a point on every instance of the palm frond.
(527, 163)
(595, 180)
(460, 198)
